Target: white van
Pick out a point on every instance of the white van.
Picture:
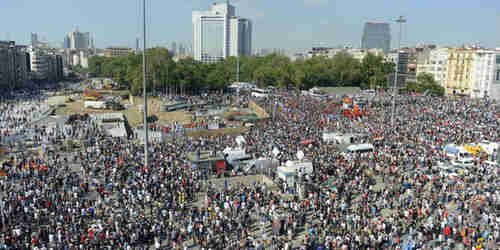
(359, 148)
(260, 93)
(94, 104)
(489, 147)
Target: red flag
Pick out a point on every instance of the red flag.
(221, 167)
(348, 113)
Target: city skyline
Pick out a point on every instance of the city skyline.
(303, 23)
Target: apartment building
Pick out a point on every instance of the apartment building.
(39, 64)
(434, 62)
(117, 51)
(45, 64)
(472, 72)
(329, 52)
(13, 65)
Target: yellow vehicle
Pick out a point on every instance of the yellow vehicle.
(474, 150)
(107, 86)
(91, 95)
(90, 98)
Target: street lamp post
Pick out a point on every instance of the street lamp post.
(144, 86)
(400, 20)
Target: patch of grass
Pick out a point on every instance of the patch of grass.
(231, 114)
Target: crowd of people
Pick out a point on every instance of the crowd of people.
(103, 197)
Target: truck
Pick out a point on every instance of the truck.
(455, 152)
(95, 104)
(287, 175)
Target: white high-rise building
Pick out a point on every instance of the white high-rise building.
(84, 60)
(38, 63)
(76, 60)
(218, 33)
(486, 74)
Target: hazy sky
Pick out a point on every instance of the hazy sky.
(277, 23)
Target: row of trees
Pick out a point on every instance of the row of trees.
(189, 75)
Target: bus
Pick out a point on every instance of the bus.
(260, 93)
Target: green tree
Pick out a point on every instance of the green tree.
(136, 85)
(187, 75)
(298, 74)
(426, 82)
(266, 75)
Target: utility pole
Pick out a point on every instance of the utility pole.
(168, 84)
(400, 20)
(167, 87)
(238, 68)
(144, 87)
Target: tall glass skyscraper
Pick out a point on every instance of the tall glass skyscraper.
(77, 40)
(34, 39)
(376, 36)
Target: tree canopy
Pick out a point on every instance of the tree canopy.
(272, 70)
(425, 83)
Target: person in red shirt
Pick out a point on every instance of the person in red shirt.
(447, 232)
(91, 234)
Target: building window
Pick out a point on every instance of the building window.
(498, 74)
(498, 59)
